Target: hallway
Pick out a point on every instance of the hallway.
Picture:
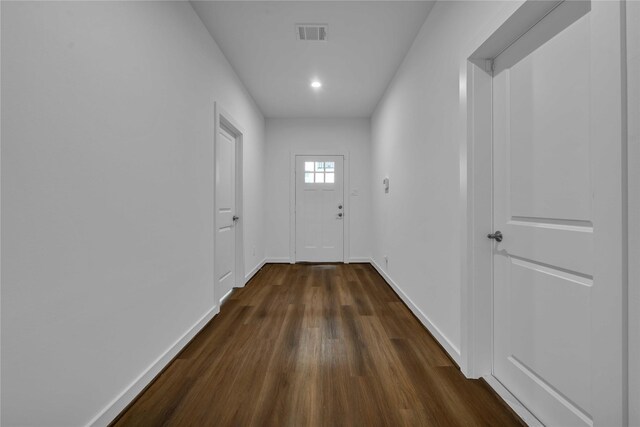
(230, 212)
(315, 345)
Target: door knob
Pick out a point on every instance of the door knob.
(235, 218)
(340, 215)
(497, 236)
(339, 206)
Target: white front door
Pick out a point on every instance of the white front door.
(225, 239)
(319, 208)
(557, 186)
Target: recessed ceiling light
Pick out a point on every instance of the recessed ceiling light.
(316, 84)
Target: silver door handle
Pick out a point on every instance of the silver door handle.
(497, 236)
(340, 215)
(235, 218)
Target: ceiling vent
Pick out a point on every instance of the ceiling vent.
(311, 32)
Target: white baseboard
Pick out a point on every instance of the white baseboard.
(224, 297)
(286, 260)
(111, 411)
(254, 271)
(504, 394)
(513, 403)
(278, 260)
(108, 414)
(453, 351)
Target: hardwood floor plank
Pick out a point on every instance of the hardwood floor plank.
(315, 345)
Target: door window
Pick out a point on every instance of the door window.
(319, 172)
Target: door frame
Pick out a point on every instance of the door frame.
(225, 120)
(633, 208)
(292, 199)
(476, 177)
(476, 87)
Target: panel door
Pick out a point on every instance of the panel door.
(556, 305)
(225, 239)
(319, 208)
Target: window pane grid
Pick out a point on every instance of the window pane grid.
(319, 172)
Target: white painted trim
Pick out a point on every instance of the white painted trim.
(608, 149)
(223, 118)
(225, 296)
(477, 221)
(239, 275)
(253, 272)
(513, 403)
(475, 325)
(360, 260)
(633, 205)
(346, 201)
(292, 208)
(424, 319)
(111, 411)
(278, 260)
(476, 180)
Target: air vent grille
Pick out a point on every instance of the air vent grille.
(311, 32)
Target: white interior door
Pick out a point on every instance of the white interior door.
(319, 208)
(557, 301)
(225, 242)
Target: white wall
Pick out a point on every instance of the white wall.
(416, 132)
(293, 135)
(107, 193)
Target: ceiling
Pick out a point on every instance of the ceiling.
(366, 42)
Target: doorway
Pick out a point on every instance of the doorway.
(319, 208)
(548, 202)
(228, 242)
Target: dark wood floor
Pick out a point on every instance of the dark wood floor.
(324, 345)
